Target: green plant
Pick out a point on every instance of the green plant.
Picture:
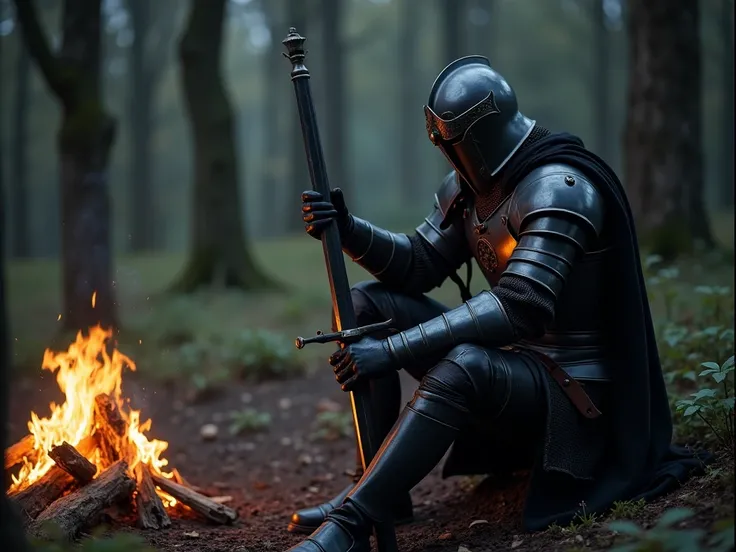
(627, 509)
(663, 537)
(331, 426)
(712, 406)
(120, 542)
(248, 420)
(262, 354)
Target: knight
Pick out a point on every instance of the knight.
(551, 368)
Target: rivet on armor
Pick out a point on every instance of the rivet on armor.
(504, 220)
(480, 229)
(569, 180)
(566, 382)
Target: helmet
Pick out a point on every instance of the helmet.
(473, 117)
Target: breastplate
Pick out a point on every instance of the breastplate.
(490, 240)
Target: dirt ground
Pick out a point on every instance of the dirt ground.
(272, 473)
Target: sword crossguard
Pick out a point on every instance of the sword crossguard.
(345, 336)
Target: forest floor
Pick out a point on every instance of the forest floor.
(287, 466)
(226, 358)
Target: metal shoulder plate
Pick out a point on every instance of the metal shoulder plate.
(443, 234)
(557, 192)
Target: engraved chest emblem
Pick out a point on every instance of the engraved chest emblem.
(486, 256)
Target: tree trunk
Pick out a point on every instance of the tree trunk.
(409, 121)
(274, 171)
(19, 181)
(664, 157)
(11, 529)
(84, 142)
(336, 116)
(218, 251)
(482, 33)
(727, 141)
(454, 15)
(600, 85)
(140, 217)
(298, 177)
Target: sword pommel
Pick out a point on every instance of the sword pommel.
(295, 53)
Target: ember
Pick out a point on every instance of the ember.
(95, 445)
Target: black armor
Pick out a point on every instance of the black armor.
(474, 119)
(533, 372)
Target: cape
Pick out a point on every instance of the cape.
(641, 461)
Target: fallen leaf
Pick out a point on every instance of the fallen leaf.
(192, 535)
(221, 499)
(445, 536)
(517, 543)
(477, 522)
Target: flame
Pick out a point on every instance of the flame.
(90, 367)
(94, 298)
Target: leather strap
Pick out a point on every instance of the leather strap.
(570, 387)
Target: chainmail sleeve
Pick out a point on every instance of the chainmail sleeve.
(530, 308)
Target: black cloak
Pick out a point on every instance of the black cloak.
(640, 461)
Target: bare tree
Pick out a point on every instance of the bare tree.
(85, 140)
(336, 116)
(600, 83)
(664, 156)
(298, 181)
(727, 120)
(19, 145)
(153, 27)
(410, 122)
(218, 252)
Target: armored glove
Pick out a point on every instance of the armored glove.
(318, 213)
(367, 359)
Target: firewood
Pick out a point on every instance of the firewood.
(82, 507)
(36, 497)
(72, 462)
(111, 429)
(199, 503)
(23, 448)
(151, 511)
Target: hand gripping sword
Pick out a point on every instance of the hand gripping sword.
(342, 304)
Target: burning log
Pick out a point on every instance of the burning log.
(218, 513)
(68, 459)
(111, 428)
(22, 449)
(78, 509)
(151, 511)
(35, 498)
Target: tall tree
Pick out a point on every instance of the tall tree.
(664, 155)
(84, 142)
(298, 180)
(273, 172)
(335, 115)
(409, 118)
(600, 86)
(153, 27)
(19, 180)
(727, 121)
(454, 17)
(482, 29)
(218, 252)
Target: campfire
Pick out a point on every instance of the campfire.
(92, 451)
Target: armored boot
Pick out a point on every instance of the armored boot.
(422, 435)
(386, 398)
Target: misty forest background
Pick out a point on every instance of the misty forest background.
(168, 142)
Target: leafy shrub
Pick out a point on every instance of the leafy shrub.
(331, 426)
(248, 420)
(665, 536)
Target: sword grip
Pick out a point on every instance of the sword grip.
(345, 336)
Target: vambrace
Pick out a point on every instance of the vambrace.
(482, 320)
(385, 255)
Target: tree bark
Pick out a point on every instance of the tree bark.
(600, 85)
(409, 122)
(298, 176)
(218, 251)
(336, 116)
(664, 156)
(727, 121)
(19, 182)
(273, 173)
(84, 143)
(11, 530)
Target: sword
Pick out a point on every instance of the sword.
(342, 304)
